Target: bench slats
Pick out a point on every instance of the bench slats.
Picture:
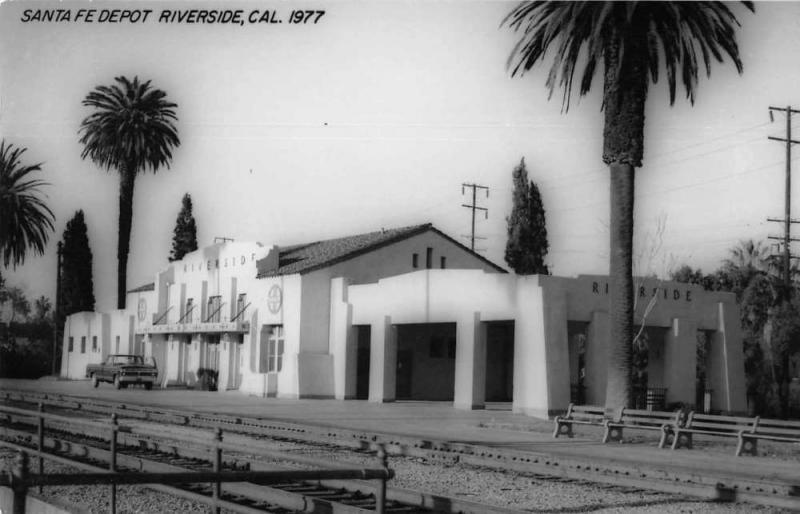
(747, 431)
(720, 427)
(673, 424)
(579, 415)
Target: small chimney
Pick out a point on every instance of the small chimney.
(270, 262)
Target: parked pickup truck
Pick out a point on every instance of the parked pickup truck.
(122, 370)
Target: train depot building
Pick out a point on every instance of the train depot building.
(405, 314)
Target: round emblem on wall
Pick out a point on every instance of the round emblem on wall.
(275, 299)
(142, 309)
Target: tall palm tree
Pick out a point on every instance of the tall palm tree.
(629, 39)
(131, 129)
(747, 260)
(25, 220)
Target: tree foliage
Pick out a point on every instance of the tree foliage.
(527, 243)
(25, 220)
(42, 306)
(770, 321)
(184, 239)
(77, 284)
(16, 304)
(131, 129)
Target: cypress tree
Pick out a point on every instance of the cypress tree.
(185, 238)
(77, 285)
(527, 234)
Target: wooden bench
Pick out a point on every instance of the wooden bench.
(579, 415)
(720, 426)
(769, 430)
(664, 422)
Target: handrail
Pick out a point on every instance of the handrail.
(156, 322)
(186, 314)
(208, 318)
(241, 312)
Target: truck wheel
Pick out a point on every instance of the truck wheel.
(148, 385)
(117, 383)
(95, 382)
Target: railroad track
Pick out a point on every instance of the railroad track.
(613, 475)
(142, 450)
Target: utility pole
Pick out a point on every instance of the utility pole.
(787, 220)
(57, 308)
(474, 207)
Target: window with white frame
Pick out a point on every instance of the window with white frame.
(83, 344)
(275, 349)
(187, 316)
(94, 343)
(241, 301)
(214, 306)
(116, 345)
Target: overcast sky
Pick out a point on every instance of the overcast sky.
(373, 117)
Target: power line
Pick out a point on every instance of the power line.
(474, 206)
(661, 155)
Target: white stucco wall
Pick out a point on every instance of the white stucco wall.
(540, 307)
(77, 326)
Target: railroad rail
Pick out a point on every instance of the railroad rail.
(289, 488)
(707, 485)
(20, 480)
(104, 444)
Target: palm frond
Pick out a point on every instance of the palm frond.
(132, 126)
(26, 221)
(688, 36)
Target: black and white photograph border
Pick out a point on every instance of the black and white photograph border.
(398, 256)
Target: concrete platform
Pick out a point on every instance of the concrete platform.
(496, 426)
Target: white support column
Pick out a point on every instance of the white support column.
(343, 342)
(383, 361)
(148, 346)
(223, 366)
(470, 379)
(596, 359)
(726, 363)
(680, 361)
(541, 355)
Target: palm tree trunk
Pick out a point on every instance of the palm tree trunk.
(624, 95)
(127, 178)
(619, 392)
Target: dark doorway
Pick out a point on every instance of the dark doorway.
(499, 361)
(363, 336)
(405, 372)
(426, 355)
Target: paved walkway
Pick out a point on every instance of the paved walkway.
(495, 426)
